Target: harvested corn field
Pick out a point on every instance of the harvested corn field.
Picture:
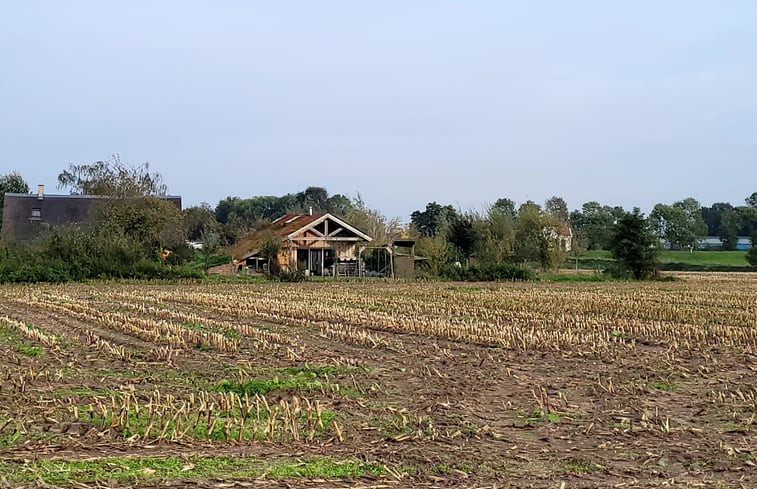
(363, 384)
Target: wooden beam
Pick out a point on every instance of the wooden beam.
(334, 233)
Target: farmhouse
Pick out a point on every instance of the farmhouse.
(563, 233)
(317, 243)
(25, 215)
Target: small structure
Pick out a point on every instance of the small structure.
(316, 243)
(743, 243)
(396, 260)
(404, 259)
(563, 233)
(24, 215)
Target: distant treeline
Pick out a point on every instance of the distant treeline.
(144, 240)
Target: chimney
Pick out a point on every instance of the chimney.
(310, 211)
(40, 192)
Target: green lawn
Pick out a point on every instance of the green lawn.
(705, 260)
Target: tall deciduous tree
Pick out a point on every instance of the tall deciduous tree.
(680, 224)
(435, 251)
(537, 237)
(730, 222)
(634, 246)
(595, 223)
(556, 207)
(112, 178)
(372, 222)
(435, 220)
(200, 221)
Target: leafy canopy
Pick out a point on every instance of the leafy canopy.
(112, 178)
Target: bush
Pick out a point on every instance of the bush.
(751, 257)
(285, 275)
(486, 273)
(73, 254)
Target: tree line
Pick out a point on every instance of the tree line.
(128, 235)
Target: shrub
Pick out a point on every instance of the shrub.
(751, 257)
(486, 273)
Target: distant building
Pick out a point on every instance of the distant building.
(563, 233)
(714, 242)
(25, 215)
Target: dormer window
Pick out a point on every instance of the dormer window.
(36, 214)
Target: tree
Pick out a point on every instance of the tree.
(436, 252)
(730, 222)
(505, 207)
(556, 206)
(112, 178)
(751, 201)
(537, 237)
(372, 222)
(11, 183)
(464, 235)
(210, 240)
(634, 246)
(200, 221)
(680, 224)
(150, 222)
(595, 222)
(434, 221)
(751, 256)
(713, 215)
(497, 234)
(270, 250)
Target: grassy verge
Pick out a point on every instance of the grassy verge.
(702, 260)
(222, 467)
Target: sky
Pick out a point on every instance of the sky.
(403, 101)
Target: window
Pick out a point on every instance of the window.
(36, 214)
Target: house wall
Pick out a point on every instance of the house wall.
(344, 250)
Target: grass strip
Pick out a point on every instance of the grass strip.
(50, 471)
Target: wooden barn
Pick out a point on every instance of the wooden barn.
(317, 243)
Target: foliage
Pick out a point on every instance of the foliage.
(112, 178)
(635, 247)
(485, 273)
(270, 250)
(595, 222)
(730, 223)
(504, 206)
(199, 221)
(372, 222)
(498, 235)
(751, 256)
(434, 221)
(751, 201)
(11, 183)
(537, 237)
(436, 252)
(237, 216)
(464, 235)
(153, 222)
(556, 207)
(680, 224)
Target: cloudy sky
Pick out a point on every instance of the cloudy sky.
(408, 101)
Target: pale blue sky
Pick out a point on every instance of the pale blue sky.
(628, 103)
